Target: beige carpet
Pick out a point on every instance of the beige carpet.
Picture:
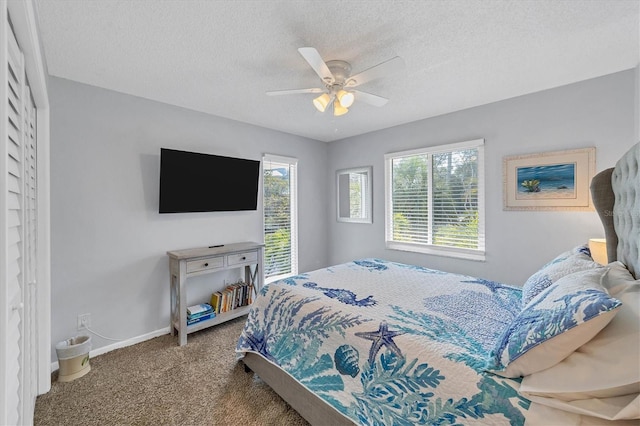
(159, 383)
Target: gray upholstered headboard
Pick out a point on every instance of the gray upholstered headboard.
(603, 200)
(616, 197)
(625, 181)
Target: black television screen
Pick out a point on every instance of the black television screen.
(195, 182)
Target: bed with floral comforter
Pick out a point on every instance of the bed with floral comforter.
(388, 343)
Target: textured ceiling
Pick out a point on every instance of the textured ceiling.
(220, 57)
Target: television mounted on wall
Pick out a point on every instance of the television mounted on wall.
(197, 182)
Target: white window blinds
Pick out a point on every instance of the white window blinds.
(435, 200)
(280, 216)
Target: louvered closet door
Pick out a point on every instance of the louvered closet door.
(30, 361)
(15, 248)
(29, 367)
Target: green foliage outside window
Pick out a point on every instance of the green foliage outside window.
(454, 198)
(400, 224)
(277, 222)
(410, 202)
(355, 195)
(277, 252)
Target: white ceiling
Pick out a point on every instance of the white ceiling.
(220, 57)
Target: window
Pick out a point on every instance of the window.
(434, 200)
(280, 217)
(354, 195)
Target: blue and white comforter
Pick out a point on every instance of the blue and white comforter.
(387, 343)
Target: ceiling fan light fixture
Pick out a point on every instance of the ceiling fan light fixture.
(321, 102)
(338, 109)
(338, 85)
(346, 98)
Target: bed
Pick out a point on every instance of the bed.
(378, 343)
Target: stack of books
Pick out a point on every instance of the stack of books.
(201, 312)
(234, 296)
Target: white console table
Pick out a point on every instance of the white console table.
(199, 261)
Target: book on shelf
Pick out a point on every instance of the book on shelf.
(241, 295)
(200, 318)
(201, 314)
(231, 297)
(198, 309)
(251, 290)
(216, 299)
(225, 300)
(237, 289)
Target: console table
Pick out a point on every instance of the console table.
(206, 260)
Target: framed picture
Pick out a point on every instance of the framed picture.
(549, 181)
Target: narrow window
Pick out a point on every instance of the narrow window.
(434, 200)
(280, 217)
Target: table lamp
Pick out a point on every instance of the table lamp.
(598, 248)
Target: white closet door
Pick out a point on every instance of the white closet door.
(30, 376)
(29, 367)
(14, 193)
(24, 216)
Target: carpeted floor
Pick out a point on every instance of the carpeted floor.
(158, 382)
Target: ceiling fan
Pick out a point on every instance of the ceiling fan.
(338, 83)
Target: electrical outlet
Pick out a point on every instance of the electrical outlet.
(84, 321)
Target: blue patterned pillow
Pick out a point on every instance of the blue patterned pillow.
(574, 260)
(556, 322)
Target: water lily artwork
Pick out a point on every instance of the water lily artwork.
(549, 181)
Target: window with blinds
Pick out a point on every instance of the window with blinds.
(434, 199)
(280, 216)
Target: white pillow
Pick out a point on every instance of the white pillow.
(618, 278)
(621, 409)
(603, 375)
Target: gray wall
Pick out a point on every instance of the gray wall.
(108, 241)
(598, 112)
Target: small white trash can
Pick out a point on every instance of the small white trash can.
(73, 358)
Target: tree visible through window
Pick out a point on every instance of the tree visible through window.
(434, 199)
(280, 216)
(357, 184)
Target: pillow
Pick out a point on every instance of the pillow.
(555, 323)
(574, 260)
(621, 409)
(618, 279)
(603, 375)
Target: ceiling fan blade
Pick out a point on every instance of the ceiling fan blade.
(370, 98)
(295, 91)
(314, 59)
(386, 68)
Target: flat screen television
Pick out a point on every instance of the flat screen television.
(195, 182)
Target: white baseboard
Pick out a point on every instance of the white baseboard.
(121, 344)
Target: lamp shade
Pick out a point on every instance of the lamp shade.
(321, 102)
(346, 98)
(338, 109)
(598, 248)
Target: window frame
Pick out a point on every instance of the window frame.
(366, 193)
(430, 248)
(293, 206)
